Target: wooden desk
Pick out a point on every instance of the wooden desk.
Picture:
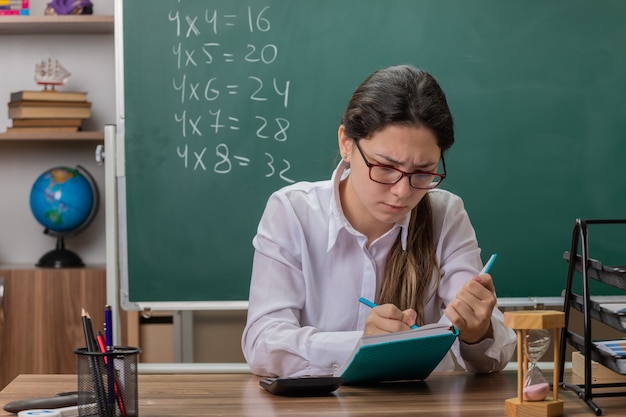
(232, 395)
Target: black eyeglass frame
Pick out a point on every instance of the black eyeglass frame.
(402, 173)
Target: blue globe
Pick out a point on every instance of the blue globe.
(62, 199)
(65, 201)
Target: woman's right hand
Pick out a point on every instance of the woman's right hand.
(387, 318)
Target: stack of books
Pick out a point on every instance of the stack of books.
(48, 111)
(14, 7)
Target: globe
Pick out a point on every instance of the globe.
(64, 201)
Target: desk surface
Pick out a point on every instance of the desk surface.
(230, 395)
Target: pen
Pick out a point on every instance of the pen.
(372, 305)
(487, 266)
(108, 342)
(108, 328)
(103, 349)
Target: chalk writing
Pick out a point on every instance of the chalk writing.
(216, 108)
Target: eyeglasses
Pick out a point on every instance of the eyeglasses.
(385, 174)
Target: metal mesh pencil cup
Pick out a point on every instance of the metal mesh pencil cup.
(107, 382)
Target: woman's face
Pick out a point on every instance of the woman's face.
(373, 208)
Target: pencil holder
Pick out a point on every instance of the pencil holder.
(107, 382)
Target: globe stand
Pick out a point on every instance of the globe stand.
(59, 199)
(60, 257)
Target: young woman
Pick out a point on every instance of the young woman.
(379, 229)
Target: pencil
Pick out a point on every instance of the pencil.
(88, 330)
(92, 347)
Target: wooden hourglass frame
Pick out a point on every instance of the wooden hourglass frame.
(523, 321)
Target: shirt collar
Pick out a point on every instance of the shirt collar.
(338, 220)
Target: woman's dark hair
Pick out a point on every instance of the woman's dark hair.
(404, 95)
(400, 95)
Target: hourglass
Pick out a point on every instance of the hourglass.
(536, 388)
(533, 340)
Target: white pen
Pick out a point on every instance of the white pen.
(487, 266)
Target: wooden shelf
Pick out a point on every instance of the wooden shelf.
(52, 136)
(54, 329)
(51, 25)
(60, 25)
(20, 266)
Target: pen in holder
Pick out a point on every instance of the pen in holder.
(107, 382)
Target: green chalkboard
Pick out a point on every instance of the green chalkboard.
(226, 101)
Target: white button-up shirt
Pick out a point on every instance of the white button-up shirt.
(311, 266)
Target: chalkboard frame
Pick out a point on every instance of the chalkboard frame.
(574, 192)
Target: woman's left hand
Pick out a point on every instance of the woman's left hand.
(471, 310)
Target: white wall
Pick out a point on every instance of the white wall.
(90, 59)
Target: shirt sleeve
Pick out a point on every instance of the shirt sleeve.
(492, 354)
(274, 340)
(459, 257)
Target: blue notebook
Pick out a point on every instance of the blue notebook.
(409, 355)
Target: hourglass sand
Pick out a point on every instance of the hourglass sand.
(536, 344)
(533, 339)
